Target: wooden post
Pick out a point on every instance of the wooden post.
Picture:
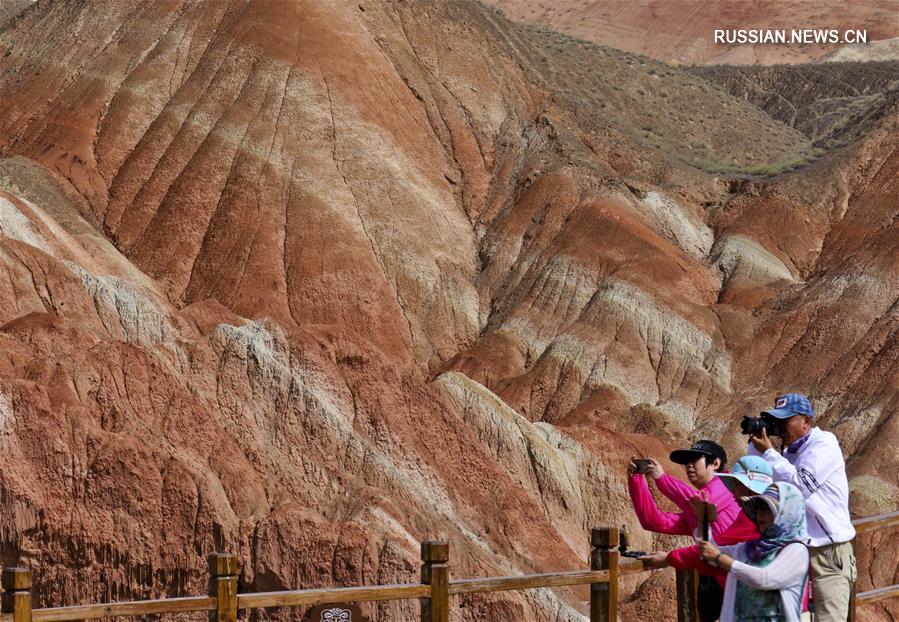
(435, 572)
(604, 556)
(686, 595)
(17, 594)
(852, 593)
(223, 571)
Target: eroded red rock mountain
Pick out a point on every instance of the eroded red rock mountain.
(313, 282)
(683, 31)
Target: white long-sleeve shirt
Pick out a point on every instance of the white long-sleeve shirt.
(787, 573)
(818, 470)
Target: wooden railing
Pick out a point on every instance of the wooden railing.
(864, 525)
(434, 591)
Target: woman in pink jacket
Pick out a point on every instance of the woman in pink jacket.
(701, 462)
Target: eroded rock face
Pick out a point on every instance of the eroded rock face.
(314, 282)
(683, 32)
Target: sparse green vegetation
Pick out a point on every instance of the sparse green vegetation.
(773, 168)
(664, 107)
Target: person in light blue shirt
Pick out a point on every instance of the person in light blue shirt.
(812, 461)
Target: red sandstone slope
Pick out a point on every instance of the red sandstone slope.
(682, 31)
(140, 437)
(248, 250)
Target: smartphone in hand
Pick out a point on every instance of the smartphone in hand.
(642, 464)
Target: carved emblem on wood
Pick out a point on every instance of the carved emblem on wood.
(335, 613)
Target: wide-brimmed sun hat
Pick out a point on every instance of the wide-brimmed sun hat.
(751, 471)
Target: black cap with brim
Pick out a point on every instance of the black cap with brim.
(698, 450)
(686, 456)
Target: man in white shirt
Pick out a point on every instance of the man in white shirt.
(813, 462)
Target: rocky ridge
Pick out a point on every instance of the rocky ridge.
(682, 31)
(314, 287)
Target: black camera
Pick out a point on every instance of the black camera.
(642, 465)
(755, 425)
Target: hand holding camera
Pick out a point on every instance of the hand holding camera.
(761, 441)
(645, 466)
(760, 429)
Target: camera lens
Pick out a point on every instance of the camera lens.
(775, 426)
(752, 425)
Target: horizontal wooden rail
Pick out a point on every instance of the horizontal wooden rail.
(326, 596)
(629, 565)
(881, 521)
(527, 581)
(135, 608)
(872, 596)
(224, 601)
(533, 581)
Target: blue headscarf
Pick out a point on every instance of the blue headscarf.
(788, 508)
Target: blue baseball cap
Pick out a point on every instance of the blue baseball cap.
(751, 471)
(790, 404)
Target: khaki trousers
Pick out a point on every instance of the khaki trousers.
(833, 574)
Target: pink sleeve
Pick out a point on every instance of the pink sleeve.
(651, 517)
(741, 530)
(725, 503)
(679, 492)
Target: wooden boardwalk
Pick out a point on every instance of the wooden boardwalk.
(434, 591)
